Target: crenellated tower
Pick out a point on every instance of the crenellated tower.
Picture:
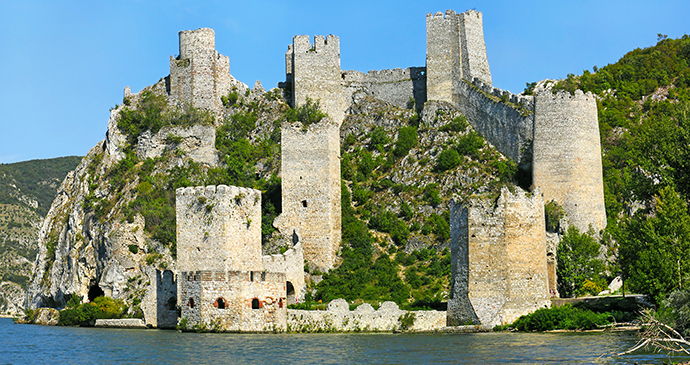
(472, 47)
(443, 59)
(199, 75)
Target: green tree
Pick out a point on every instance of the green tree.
(578, 261)
(654, 248)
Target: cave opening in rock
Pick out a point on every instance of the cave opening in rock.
(95, 291)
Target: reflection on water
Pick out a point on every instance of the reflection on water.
(39, 344)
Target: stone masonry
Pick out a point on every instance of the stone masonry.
(310, 173)
(222, 284)
(200, 75)
(498, 267)
(567, 156)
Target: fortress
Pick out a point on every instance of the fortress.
(499, 252)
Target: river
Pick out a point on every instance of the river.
(32, 344)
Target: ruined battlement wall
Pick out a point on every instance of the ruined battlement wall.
(235, 301)
(510, 130)
(218, 228)
(472, 47)
(316, 74)
(292, 264)
(310, 173)
(498, 264)
(443, 58)
(396, 86)
(199, 75)
(567, 156)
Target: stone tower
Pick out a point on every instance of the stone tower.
(310, 173)
(199, 75)
(472, 47)
(567, 156)
(498, 264)
(443, 60)
(455, 51)
(222, 284)
(314, 70)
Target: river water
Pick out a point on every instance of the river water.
(31, 344)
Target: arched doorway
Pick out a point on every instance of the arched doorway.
(256, 304)
(290, 293)
(220, 303)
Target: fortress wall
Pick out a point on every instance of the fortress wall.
(498, 265)
(501, 124)
(310, 173)
(202, 289)
(218, 228)
(567, 156)
(292, 264)
(472, 48)
(395, 86)
(443, 59)
(316, 74)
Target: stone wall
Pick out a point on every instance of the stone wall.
(510, 130)
(292, 264)
(339, 318)
(316, 74)
(160, 301)
(498, 264)
(199, 75)
(395, 86)
(472, 47)
(218, 228)
(310, 173)
(567, 156)
(234, 301)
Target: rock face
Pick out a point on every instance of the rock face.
(339, 318)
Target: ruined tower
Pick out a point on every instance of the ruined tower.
(498, 265)
(314, 70)
(567, 156)
(199, 75)
(310, 173)
(221, 280)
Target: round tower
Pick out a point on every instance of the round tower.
(194, 42)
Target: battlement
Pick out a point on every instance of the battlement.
(218, 228)
(328, 44)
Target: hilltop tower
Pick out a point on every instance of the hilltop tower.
(443, 60)
(310, 173)
(472, 47)
(314, 70)
(567, 156)
(199, 75)
(498, 265)
(221, 277)
(455, 50)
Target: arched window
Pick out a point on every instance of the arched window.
(190, 303)
(256, 304)
(220, 303)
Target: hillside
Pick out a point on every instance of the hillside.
(643, 107)
(26, 191)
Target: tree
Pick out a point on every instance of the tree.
(577, 262)
(654, 248)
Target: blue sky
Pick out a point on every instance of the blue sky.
(64, 64)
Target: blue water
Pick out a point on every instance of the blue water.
(22, 344)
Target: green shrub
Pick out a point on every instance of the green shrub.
(308, 113)
(86, 314)
(447, 160)
(407, 139)
(134, 249)
(432, 194)
(553, 213)
(563, 317)
(469, 145)
(378, 139)
(230, 99)
(458, 124)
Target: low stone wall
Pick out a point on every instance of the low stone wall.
(339, 318)
(121, 323)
